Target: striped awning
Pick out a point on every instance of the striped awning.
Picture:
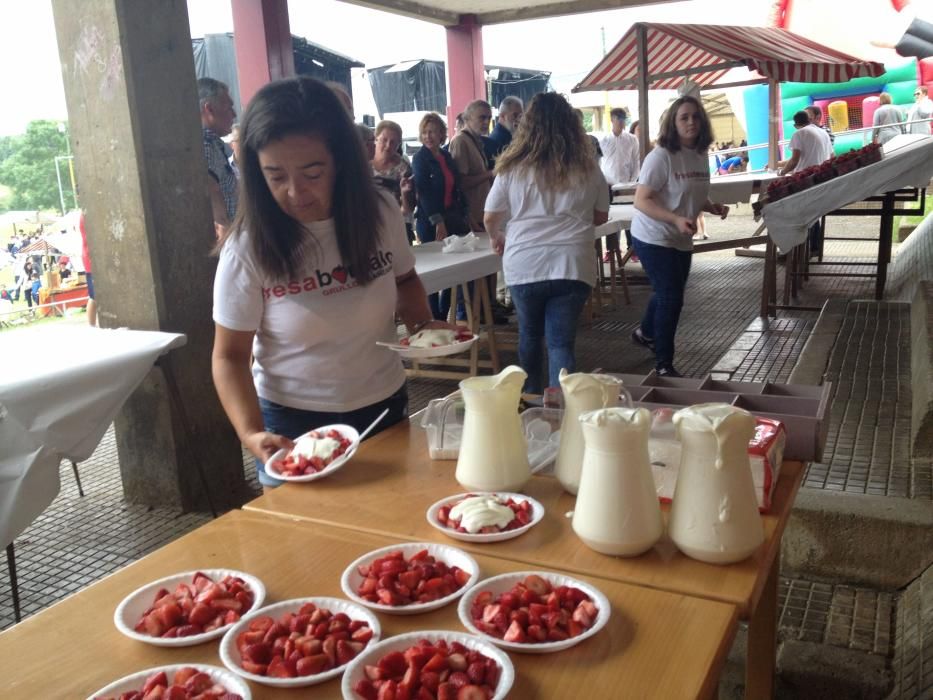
(707, 52)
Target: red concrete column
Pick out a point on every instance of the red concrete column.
(466, 77)
(263, 42)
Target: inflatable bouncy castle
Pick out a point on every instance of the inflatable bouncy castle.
(877, 35)
(849, 105)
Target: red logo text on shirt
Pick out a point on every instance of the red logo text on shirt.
(330, 282)
(691, 175)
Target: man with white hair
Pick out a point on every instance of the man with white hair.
(217, 118)
(469, 154)
(510, 114)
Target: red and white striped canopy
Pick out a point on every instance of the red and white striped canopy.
(675, 48)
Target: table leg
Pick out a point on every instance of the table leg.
(74, 468)
(14, 584)
(886, 235)
(485, 305)
(612, 277)
(768, 279)
(473, 321)
(789, 262)
(762, 640)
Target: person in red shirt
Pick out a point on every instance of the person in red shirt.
(86, 260)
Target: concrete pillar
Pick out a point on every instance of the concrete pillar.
(263, 42)
(466, 75)
(132, 103)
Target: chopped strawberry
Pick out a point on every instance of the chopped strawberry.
(536, 612)
(471, 692)
(515, 633)
(194, 608)
(430, 671)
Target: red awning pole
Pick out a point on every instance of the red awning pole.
(774, 122)
(641, 32)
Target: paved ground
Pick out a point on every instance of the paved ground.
(81, 539)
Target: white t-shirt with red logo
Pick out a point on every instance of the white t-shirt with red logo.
(681, 179)
(315, 345)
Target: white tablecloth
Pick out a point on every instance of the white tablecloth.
(736, 188)
(60, 388)
(620, 217)
(439, 270)
(907, 162)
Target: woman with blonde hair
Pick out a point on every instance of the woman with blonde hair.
(393, 170)
(548, 195)
(888, 121)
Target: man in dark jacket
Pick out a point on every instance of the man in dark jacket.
(510, 114)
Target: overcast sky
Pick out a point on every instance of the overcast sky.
(31, 83)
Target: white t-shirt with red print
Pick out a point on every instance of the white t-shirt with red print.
(681, 179)
(315, 345)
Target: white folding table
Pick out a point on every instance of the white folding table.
(60, 388)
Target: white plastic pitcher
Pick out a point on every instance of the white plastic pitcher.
(714, 513)
(617, 510)
(493, 452)
(582, 392)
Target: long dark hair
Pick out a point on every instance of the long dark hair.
(551, 141)
(305, 106)
(669, 138)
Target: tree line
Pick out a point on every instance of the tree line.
(27, 167)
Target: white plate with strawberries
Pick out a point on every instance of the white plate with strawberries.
(292, 465)
(188, 608)
(199, 680)
(474, 665)
(421, 577)
(527, 513)
(463, 339)
(534, 612)
(260, 647)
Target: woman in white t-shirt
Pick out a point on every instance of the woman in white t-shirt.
(673, 189)
(540, 213)
(311, 275)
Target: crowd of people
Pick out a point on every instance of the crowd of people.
(889, 121)
(315, 264)
(29, 264)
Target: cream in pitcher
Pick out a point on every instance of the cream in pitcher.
(617, 510)
(582, 392)
(714, 513)
(493, 451)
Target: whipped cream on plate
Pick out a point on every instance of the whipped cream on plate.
(431, 337)
(309, 447)
(477, 512)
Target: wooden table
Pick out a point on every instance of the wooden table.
(394, 467)
(656, 644)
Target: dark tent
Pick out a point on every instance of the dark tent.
(215, 57)
(421, 85)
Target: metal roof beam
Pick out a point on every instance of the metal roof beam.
(440, 12)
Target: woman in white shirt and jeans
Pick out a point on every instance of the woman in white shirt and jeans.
(673, 188)
(540, 213)
(311, 274)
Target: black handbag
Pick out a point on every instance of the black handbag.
(456, 223)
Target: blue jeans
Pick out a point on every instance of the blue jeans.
(292, 422)
(547, 311)
(667, 269)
